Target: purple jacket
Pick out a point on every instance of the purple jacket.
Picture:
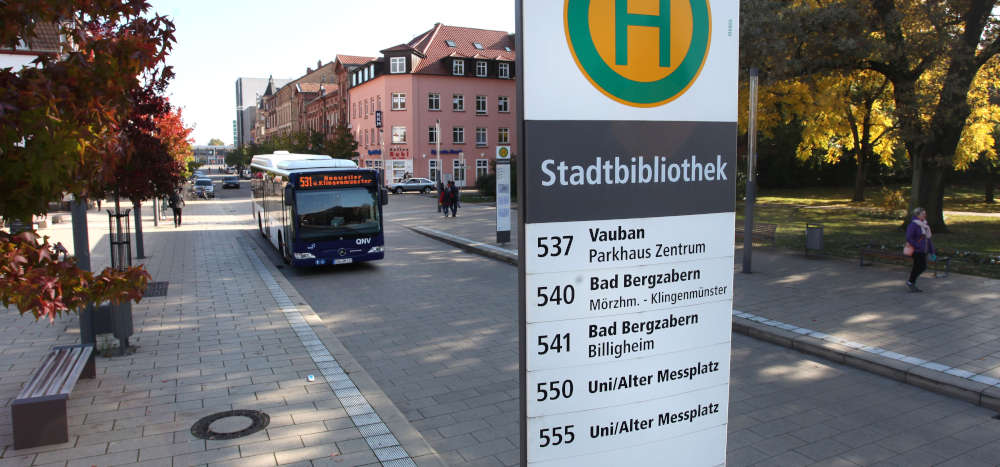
(915, 236)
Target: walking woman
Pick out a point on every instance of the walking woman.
(918, 241)
(177, 204)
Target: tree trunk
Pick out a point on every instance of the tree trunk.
(990, 183)
(137, 211)
(859, 178)
(928, 193)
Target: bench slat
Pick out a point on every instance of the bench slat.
(59, 376)
(83, 355)
(38, 378)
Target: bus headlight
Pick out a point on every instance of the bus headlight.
(377, 249)
(304, 256)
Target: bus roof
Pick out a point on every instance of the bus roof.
(284, 163)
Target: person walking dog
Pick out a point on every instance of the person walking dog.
(918, 245)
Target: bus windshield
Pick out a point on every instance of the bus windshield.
(325, 213)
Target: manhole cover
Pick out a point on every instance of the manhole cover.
(156, 289)
(245, 422)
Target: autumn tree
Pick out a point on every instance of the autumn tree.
(930, 52)
(59, 123)
(342, 145)
(216, 142)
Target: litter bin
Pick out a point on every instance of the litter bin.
(814, 238)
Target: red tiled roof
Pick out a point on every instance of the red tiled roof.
(353, 59)
(432, 45)
(308, 87)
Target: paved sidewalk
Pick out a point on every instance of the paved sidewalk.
(230, 334)
(946, 339)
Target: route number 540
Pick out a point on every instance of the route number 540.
(554, 246)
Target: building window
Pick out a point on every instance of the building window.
(481, 68)
(504, 70)
(434, 101)
(503, 135)
(480, 105)
(480, 136)
(397, 65)
(458, 67)
(450, 43)
(432, 170)
(482, 167)
(458, 168)
(432, 135)
(399, 101)
(458, 103)
(503, 104)
(398, 135)
(458, 135)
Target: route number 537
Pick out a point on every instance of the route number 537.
(554, 246)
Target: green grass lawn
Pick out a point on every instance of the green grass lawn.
(848, 226)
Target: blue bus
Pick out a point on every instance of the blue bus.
(317, 210)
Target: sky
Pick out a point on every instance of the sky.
(221, 40)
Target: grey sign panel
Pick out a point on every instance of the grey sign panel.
(599, 170)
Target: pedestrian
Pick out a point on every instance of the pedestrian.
(176, 204)
(452, 197)
(918, 245)
(99, 203)
(440, 190)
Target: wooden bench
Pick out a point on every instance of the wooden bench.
(761, 232)
(897, 255)
(38, 415)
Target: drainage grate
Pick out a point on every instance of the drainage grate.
(259, 420)
(156, 289)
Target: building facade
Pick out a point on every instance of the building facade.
(450, 86)
(248, 91)
(211, 155)
(281, 109)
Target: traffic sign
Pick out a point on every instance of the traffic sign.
(627, 187)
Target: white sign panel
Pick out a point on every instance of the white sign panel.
(626, 188)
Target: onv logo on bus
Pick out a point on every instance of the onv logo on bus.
(642, 53)
(363, 241)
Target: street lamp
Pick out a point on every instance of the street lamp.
(437, 128)
(381, 141)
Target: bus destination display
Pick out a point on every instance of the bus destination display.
(322, 181)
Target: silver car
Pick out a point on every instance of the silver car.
(203, 187)
(422, 185)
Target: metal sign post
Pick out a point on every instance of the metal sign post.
(503, 194)
(627, 127)
(751, 193)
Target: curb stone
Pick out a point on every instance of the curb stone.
(981, 394)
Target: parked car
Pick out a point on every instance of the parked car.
(230, 181)
(197, 174)
(422, 185)
(203, 188)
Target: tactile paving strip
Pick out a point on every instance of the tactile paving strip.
(375, 432)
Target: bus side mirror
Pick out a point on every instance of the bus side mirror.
(288, 195)
(385, 197)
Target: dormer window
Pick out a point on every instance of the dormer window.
(504, 70)
(397, 65)
(477, 45)
(481, 68)
(458, 67)
(450, 43)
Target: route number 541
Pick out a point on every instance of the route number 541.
(554, 246)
